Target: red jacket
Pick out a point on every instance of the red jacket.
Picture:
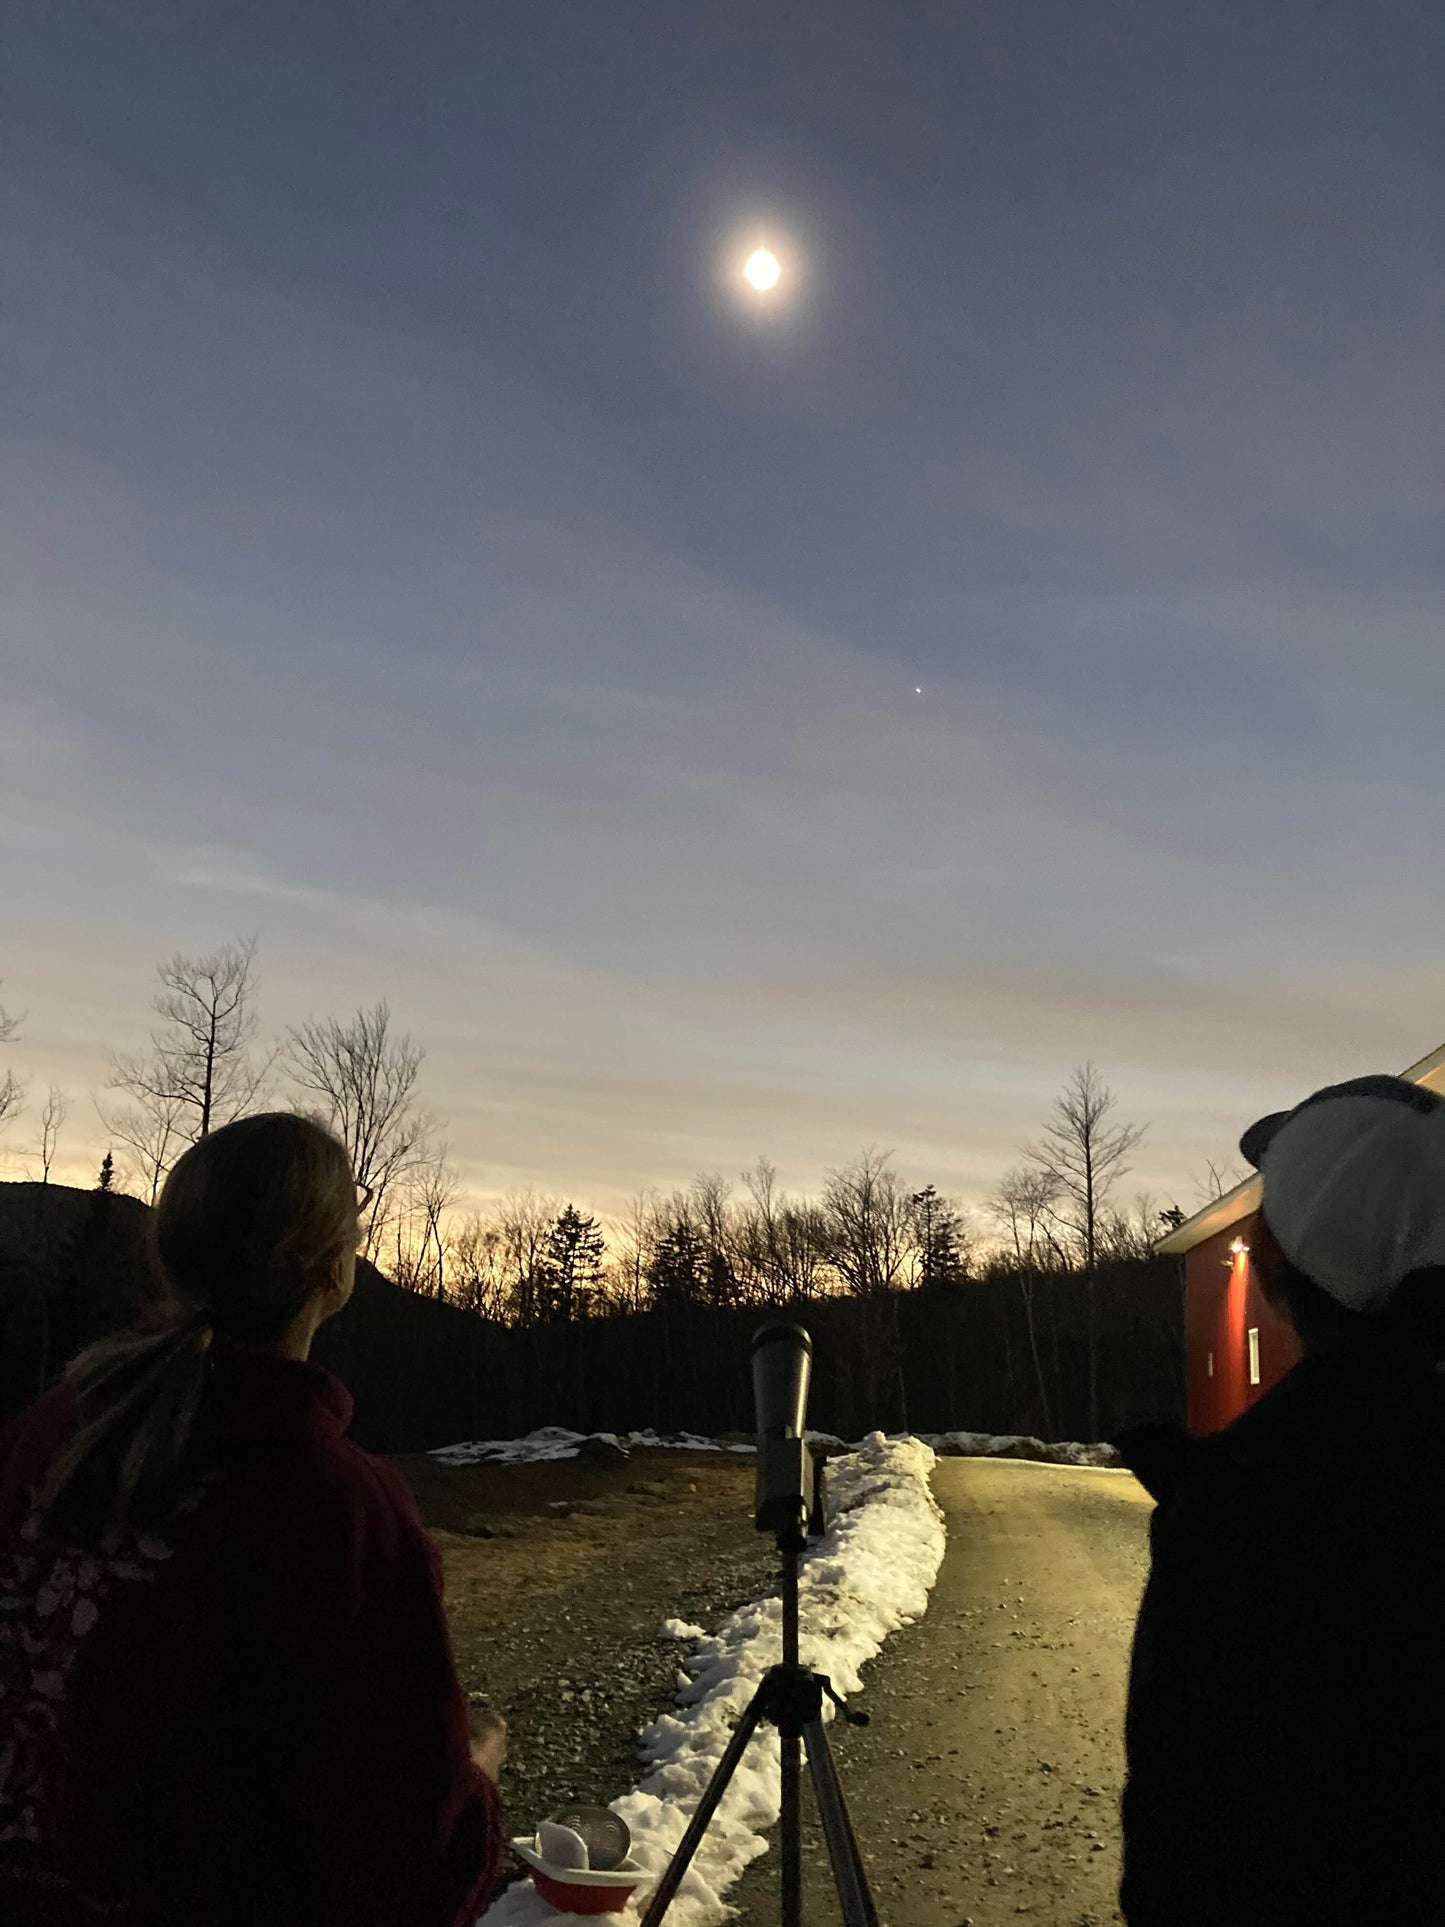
(253, 1720)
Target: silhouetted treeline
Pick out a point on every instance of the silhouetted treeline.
(939, 1358)
(1008, 1352)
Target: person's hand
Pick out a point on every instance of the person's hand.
(489, 1740)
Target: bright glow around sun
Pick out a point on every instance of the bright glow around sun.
(762, 269)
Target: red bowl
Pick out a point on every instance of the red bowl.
(570, 1897)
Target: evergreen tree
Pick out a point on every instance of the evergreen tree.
(572, 1265)
(678, 1272)
(107, 1173)
(719, 1285)
(938, 1232)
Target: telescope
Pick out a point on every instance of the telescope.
(789, 1502)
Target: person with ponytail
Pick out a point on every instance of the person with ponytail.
(227, 1692)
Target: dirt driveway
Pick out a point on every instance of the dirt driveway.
(986, 1789)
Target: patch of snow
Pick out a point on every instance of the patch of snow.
(868, 1575)
(674, 1441)
(680, 1629)
(548, 1442)
(556, 1442)
(1012, 1445)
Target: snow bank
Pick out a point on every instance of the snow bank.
(869, 1575)
(556, 1442)
(1011, 1445)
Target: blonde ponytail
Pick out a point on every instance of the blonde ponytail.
(138, 1393)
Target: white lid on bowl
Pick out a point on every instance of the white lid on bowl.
(628, 1874)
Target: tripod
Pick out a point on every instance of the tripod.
(790, 1697)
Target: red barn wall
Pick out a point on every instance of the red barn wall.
(1223, 1304)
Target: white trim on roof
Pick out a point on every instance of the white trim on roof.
(1217, 1215)
(1243, 1200)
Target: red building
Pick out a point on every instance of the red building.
(1236, 1346)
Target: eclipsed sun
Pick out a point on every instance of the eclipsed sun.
(762, 269)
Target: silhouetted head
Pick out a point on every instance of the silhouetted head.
(257, 1224)
(255, 1232)
(1350, 1237)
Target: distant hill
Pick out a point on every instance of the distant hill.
(75, 1265)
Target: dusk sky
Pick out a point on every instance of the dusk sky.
(423, 551)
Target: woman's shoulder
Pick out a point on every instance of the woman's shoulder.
(367, 1481)
(358, 1500)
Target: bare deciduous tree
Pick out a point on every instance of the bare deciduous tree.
(1085, 1156)
(634, 1240)
(52, 1122)
(525, 1222)
(869, 1228)
(150, 1129)
(420, 1241)
(12, 1090)
(434, 1188)
(1023, 1207)
(802, 1250)
(757, 1236)
(365, 1079)
(1218, 1180)
(201, 1058)
(712, 1218)
(781, 1242)
(1131, 1236)
(477, 1277)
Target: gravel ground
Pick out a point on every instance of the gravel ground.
(577, 1733)
(559, 1577)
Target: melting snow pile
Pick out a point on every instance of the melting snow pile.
(990, 1445)
(869, 1575)
(556, 1442)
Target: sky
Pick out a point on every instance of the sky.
(423, 553)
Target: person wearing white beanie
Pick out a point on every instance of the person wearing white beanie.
(1285, 1733)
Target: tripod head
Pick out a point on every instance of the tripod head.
(789, 1500)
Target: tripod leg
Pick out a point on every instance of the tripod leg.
(791, 1838)
(849, 1874)
(681, 1860)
